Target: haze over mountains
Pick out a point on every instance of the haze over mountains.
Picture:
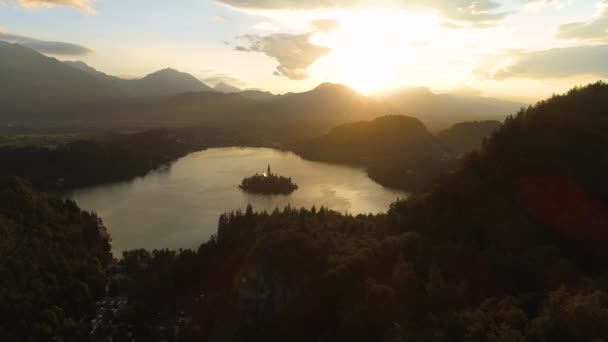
(31, 82)
(161, 83)
(224, 87)
(36, 87)
(440, 108)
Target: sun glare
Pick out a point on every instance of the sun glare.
(371, 48)
(369, 71)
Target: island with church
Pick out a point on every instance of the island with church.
(268, 183)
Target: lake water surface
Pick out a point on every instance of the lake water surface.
(179, 206)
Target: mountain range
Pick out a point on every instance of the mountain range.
(34, 88)
(33, 83)
(440, 111)
(161, 83)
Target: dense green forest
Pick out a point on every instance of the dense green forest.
(89, 162)
(57, 160)
(53, 260)
(509, 247)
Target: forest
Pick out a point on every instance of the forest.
(89, 162)
(53, 260)
(509, 246)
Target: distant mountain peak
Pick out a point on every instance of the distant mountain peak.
(169, 72)
(80, 65)
(35, 83)
(334, 87)
(224, 87)
(329, 85)
(171, 81)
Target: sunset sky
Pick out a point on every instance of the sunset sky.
(516, 49)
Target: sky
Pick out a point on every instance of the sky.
(521, 50)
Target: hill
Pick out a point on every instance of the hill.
(439, 111)
(35, 84)
(392, 136)
(398, 150)
(465, 137)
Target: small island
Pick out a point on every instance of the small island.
(268, 183)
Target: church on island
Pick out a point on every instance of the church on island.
(268, 183)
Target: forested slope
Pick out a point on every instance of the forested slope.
(510, 247)
(52, 264)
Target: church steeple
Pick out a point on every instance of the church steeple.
(268, 170)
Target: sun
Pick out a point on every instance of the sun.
(368, 72)
(370, 49)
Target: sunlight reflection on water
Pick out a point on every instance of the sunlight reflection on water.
(179, 206)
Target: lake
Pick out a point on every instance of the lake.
(178, 206)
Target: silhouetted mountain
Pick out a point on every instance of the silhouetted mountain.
(443, 110)
(167, 82)
(62, 90)
(392, 136)
(465, 137)
(161, 83)
(330, 102)
(33, 83)
(398, 150)
(93, 72)
(257, 94)
(326, 103)
(224, 87)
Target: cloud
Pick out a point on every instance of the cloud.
(44, 46)
(419, 43)
(451, 26)
(221, 18)
(216, 78)
(539, 4)
(479, 13)
(83, 5)
(265, 26)
(594, 30)
(294, 52)
(553, 63)
(325, 25)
